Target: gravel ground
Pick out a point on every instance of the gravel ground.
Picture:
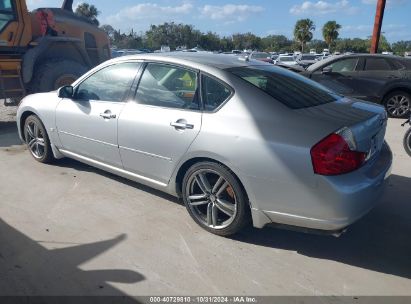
(7, 113)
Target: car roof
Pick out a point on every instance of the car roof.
(334, 57)
(196, 60)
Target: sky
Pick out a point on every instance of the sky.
(261, 17)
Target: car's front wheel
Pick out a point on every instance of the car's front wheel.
(37, 140)
(398, 104)
(215, 199)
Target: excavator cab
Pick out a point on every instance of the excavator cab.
(46, 48)
(15, 25)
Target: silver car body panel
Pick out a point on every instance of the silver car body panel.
(266, 145)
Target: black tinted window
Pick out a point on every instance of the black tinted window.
(377, 64)
(109, 84)
(168, 86)
(289, 88)
(345, 65)
(214, 93)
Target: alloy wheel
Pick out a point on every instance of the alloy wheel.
(35, 140)
(211, 199)
(398, 105)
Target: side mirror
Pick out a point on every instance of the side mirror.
(327, 70)
(66, 92)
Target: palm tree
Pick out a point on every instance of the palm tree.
(330, 32)
(303, 31)
(88, 11)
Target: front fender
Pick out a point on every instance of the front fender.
(43, 105)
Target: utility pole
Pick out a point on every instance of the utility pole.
(379, 15)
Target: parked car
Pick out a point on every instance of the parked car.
(286, 60)
(305, 60)
(382, 79)
(261, 56)
(239, 140)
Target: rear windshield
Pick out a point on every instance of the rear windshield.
(293, 90)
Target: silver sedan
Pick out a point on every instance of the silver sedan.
(238, 140)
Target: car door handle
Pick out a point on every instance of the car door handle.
(107, 115)
(181, 125)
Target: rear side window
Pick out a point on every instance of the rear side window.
(377, 64)
(168, 86)
(289, 88)
(214, 93)
(345, 65)
(406, 63)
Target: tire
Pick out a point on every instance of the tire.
(407, 142)
(53, 74)
(398, 104)
(219, 205)
(37, 140)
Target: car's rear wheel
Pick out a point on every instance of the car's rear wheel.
(37, 140)
(215, 199)
(398, 104)
(407, 142)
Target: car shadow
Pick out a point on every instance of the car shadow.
(8, 134)
(379, 242)
(29, 269)
(79, 166)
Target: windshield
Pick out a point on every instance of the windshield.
(293, 90)
(6, 13)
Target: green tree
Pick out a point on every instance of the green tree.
(303, 31)
(246, 41)
(383, 45)
(400, 47)
(88, 11)
(109, 30)
(317, 45)
(331, 32)
(276, 43)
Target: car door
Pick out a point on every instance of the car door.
(159, 125)
(339, 76)
(376, 75)
(87, 124)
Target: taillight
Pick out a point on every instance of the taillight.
(336, 154)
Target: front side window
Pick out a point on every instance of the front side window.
(293, 90)
(111, 83)
(168, 86)
(214, 93)
(345, 65)
(377, 64)
(6, 13)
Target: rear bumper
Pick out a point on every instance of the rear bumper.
(336, 201)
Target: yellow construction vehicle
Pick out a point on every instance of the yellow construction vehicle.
(45, 49)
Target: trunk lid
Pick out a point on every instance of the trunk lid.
(367, 121)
